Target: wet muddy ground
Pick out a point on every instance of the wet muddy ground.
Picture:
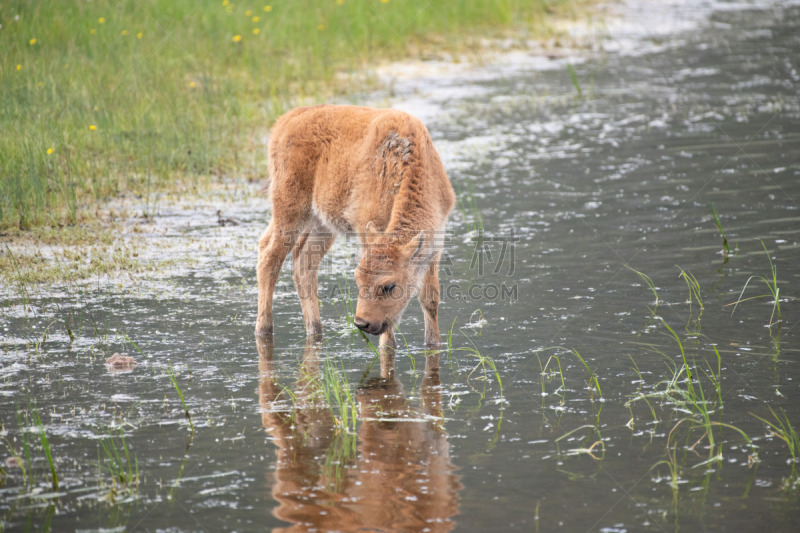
(572, 394)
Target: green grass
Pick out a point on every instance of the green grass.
(592, 375)
(171, 374)
(649, 283)
(695, 295)
(700, 422)
(110, 97)
(339, 395)
(117, 462)
(547, 375)
(783, 429)
(726, 249)
(469, 207)
(30, 423)
(573, 76)
(596, 449)
(485, 363)
(37, 420)
(697, 416)
(771, 283)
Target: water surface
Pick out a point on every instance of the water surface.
(560, 196)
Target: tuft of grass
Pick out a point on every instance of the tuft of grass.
(774, 292)
(649, 283)
(545, 375)
(19, 278)
(117, 463)
(686, 394)
(28, 474)
(597, 446)
(694, 289)
(640, 395)
(594, 383)
(37, 421)
(783, 429)
(171, 374)
(345, 303)
(339, 396)
(469, 207)
(726, 249)
(693, 323)
(573, 76)
(686, 368)
(484, 362)
(592, 375)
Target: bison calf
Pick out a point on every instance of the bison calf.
(374, 172)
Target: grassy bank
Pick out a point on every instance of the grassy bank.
(101, 98)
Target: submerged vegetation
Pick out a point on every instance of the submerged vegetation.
(109, 98)
(123, 471)
(174, 380)
(691, 397)
(24, 454)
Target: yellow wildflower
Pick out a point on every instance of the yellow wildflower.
(101, 20)
(32, 41)
(248, 13)
(139, 35)
(49, 151)
(256, 31)
(321, 27)
(191, 84)
(340, 2)
(92, 127)
(237, 38)
(124, 32)
(92, 31)
(267, 8)
(256, 18)
(224, 2)
(19, 67)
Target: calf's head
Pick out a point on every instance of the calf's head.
(387, 276)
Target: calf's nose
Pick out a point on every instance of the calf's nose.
(361, 324)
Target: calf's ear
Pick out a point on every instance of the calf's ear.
(413, 248)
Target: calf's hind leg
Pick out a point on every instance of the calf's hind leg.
(273, 247)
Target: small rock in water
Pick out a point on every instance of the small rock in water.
(226, 221)
(120, 362)
(14, 462)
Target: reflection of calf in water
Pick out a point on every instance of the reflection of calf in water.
(399, 476)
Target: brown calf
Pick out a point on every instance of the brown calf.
(374, 172)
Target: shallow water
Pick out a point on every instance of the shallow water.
(569, 192)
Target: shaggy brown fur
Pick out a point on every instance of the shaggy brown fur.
(375, 172)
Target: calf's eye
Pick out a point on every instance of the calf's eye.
(387, 289)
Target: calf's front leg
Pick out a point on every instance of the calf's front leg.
(429, 300)
(307, 257)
